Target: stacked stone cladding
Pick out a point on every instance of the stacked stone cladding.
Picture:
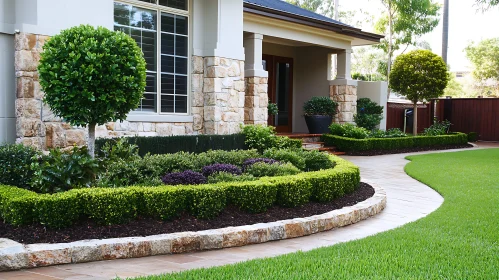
(346, 97)
(217, 105)
(256, 100)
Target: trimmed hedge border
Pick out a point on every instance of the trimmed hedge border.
(354, 145)
(109, 206)
(187, 143)
(14, 255)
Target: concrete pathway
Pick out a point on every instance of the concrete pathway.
(408, 200)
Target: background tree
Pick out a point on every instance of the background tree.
(486, 4)
(419, 75)
(91, 76)
(403, 23)
(454, 88)
(485, 59)
(323, 7)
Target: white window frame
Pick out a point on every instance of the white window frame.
(159, 116)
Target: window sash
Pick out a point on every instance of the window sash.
(179, 98)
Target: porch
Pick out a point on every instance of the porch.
(290, 63)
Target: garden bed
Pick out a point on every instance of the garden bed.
(144, 226)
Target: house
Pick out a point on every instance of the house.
(211, 65)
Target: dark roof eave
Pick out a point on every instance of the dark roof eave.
(338, 28)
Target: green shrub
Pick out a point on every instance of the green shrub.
(287, 155)
(320, 105)
(118, 149)
(121, 173)
(369, 114)
(253, 197)
(349, 130)
(262, 169)
(164, 202)
(222, 177)
(62, 171)
(111, 206)
(437, 128)
(236, 157)
(472, 137)
(262, 137)
(17, 205)
(315, 160)
(204, 201)
(157, 145)
(15, 163)
(58, 210)
(292, 191)
(350, 145)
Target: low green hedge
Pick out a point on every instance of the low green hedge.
(118, 205)
(350, 145)
(187, 143)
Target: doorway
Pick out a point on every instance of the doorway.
(280, 90)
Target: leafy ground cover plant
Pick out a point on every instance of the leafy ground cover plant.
(229, 177)
(437, 128)
(252, 161)
(15, 165)
(286, 155)
(61, 171)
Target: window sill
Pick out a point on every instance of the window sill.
(159, 118)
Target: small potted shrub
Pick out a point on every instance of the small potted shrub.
(272, 110)
(319, 112)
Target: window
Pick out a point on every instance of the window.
(162, 33)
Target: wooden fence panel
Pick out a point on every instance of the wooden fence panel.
(395, 116)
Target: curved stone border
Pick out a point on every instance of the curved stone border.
(14, 255)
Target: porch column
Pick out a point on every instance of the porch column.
(343, 89)
(256, 78)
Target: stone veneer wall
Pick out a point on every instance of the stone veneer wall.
(218, 94)
(256, 101)
(346, 97)
(218, 91)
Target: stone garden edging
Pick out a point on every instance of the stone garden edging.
(14, 255)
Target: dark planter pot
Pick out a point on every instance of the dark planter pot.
(318, 124)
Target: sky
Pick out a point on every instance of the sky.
(466, 24)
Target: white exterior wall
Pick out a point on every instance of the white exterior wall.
(49, 17)
(7, 89)
(377, 92)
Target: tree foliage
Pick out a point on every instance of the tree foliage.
(485, 58)
(91, 76)
(323, 7)
(419, 75)
(454, 88)
(486, 4)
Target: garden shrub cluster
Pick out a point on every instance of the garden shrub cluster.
(262, 137)
(369, 114)
(119, 205)
(15, 163)
(349, 145)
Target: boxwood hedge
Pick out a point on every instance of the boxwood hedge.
(118, 205)
(350, 145)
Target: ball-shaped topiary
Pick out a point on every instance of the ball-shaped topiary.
(91, 76)
(419, 75)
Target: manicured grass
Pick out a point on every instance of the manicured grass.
(458, 241)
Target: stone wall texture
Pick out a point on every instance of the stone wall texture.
(346, 97)
(218, 94)
(217, 100)
(256, 101)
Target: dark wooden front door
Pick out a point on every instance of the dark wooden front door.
(280, 90)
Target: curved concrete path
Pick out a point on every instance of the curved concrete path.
(408, 200)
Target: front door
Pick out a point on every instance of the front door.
(280, 90)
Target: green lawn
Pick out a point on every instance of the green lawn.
(458, 241)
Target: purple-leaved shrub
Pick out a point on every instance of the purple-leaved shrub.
(221, 167)
(187, 177)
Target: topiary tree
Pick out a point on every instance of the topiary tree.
(91, 76)
(369, 114)
(419, 75)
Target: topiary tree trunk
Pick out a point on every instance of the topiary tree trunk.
(91, 139)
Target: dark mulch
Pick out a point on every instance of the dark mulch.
(406, 150)
(231, 216)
